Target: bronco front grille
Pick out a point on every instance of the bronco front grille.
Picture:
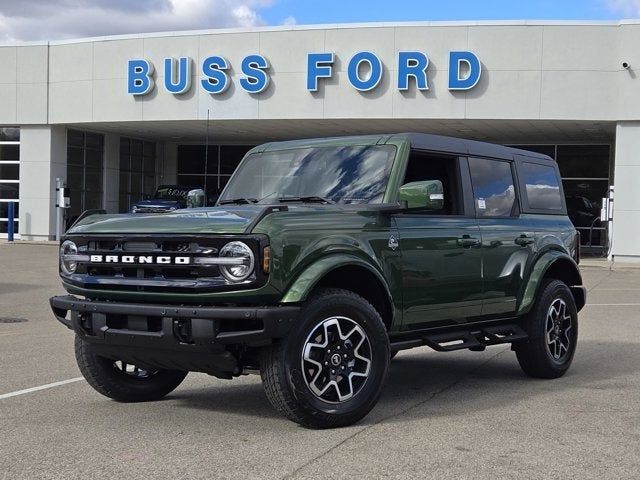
(131, 263)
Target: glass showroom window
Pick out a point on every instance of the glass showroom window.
(9, 176)
(209, 168)
(137, 172)
(85, 165)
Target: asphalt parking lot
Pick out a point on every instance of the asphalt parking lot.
(455, 415)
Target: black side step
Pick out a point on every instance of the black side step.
(477, 339)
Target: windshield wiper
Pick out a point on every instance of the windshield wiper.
(309, 199)
(238, 200)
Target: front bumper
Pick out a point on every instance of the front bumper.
(172, 336)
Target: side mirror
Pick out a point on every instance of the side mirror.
(195, 198)
(427, 195)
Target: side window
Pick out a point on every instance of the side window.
(541, 183)
(493, 188)
(427, 166)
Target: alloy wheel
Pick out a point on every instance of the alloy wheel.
(558, 330)
(336, 359)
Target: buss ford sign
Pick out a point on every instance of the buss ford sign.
(364, 72)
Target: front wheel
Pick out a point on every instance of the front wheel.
(121, 381)
(552, 326)
(330, 370)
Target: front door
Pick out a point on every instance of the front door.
(441, 254)
(441, 269)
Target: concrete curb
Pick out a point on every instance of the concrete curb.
(31, 242)
(607, 265)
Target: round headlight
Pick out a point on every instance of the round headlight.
(244, 267)
(68, 248)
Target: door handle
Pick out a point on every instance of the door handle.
(524, 240)
(468, 241)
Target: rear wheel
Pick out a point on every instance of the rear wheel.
(330, 370)
(121, 381)
(552, 326)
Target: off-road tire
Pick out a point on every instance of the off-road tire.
(281, 364)
(106, 379)
(534, 355)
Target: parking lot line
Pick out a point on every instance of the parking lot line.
(613, 304)
(40, 387)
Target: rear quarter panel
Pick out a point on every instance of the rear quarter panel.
(556, 238)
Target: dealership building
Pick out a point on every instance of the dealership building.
(114, 117)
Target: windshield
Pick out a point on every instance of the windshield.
(172, 192)
(350, 174)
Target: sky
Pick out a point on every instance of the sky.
(27, 20)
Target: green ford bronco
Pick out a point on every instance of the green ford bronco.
(322, 259)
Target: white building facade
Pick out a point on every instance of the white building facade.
(114, 117)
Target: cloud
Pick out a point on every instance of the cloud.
(629, 8)
(290, 20)
(59, 19)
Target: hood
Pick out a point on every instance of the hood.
(228, 219)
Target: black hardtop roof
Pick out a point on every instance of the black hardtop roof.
(420, 141)
(441, 143)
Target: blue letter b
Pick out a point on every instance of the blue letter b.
(139, 81)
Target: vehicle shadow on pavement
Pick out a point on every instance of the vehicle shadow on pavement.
(457, 386)
(448, 384)
(247, 399)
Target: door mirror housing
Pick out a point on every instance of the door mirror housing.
(425, 195)
(195, 198)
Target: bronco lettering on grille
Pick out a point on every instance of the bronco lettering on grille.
(141, 259)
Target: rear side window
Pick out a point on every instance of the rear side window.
(493, 189)
(541, 183)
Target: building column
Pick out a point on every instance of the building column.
(111, 179)
(168, 164)
(43, 158)
(626, 215)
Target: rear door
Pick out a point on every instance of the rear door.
(441, 256)
(508, 240)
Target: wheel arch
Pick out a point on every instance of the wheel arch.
(347, 272)
(556, 265)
